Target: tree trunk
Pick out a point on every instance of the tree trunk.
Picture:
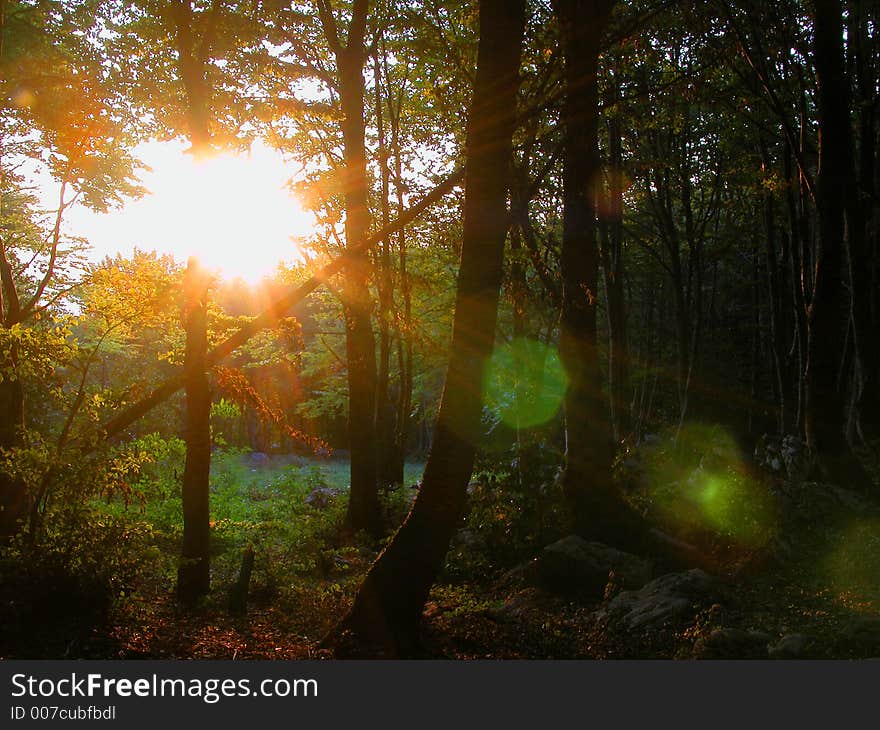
(387, 451)
(360, 346)
(404, 323)
(774, 298)
(385, 616)
(612, 264)
(829, 309)
(598, 511)
(861, 225)
(13, 491)
(13, 496)
(194, 572)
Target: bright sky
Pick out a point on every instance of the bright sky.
(234, 213)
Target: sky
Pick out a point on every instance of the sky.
(234, 213)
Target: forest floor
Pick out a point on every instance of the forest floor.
(824, 600)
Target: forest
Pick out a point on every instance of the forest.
(576, 358)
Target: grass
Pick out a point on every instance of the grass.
(308, 568)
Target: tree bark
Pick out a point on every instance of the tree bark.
(388, 463)
(861, 221)
(830, 309)
(385, 617)
(598, 510)
(360, 345)
(612, 264)
(194, 572)
(13, 493)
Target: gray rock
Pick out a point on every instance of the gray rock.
(732, 643)
(515, 607)
(468, 539)
(792, 646)
(257, 460)
(574, 565)
(788, 456)
(321, 497)
(670, 599)
(515, 578)
(796, 457)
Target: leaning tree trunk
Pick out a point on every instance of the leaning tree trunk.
(194, 572)
(386, 613)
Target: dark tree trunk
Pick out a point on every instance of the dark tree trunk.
(830, 308)
(13, 491)
(861, 222)
(194, 573)
(612, 264)
(405, 333)
(360, 345)
(774, 298)
(598, 510)
(13, 496)
(193, 51)
(389, 466)
(797, 278)
(387, 609)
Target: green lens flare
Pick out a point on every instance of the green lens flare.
(852, 569)
(524, 383)
(702, 482)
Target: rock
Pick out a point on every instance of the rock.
(468, 539)
(788, 456)
(768, 454)
(515, 606)
(796, 457)
(792, 646)
(321, 497)
(731, 643)
(573, 565)
(523, 574)
(862, 635)
(257, 460)
(670, 599)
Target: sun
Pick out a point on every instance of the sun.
(234, 212)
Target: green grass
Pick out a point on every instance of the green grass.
(263, 506)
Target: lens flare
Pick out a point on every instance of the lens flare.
(852, 569)
(524, 383)
(702, 482)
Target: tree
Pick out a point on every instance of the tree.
(838, 206)
(59, 113)
(194, 575)
(386, 612)
(598, 510)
